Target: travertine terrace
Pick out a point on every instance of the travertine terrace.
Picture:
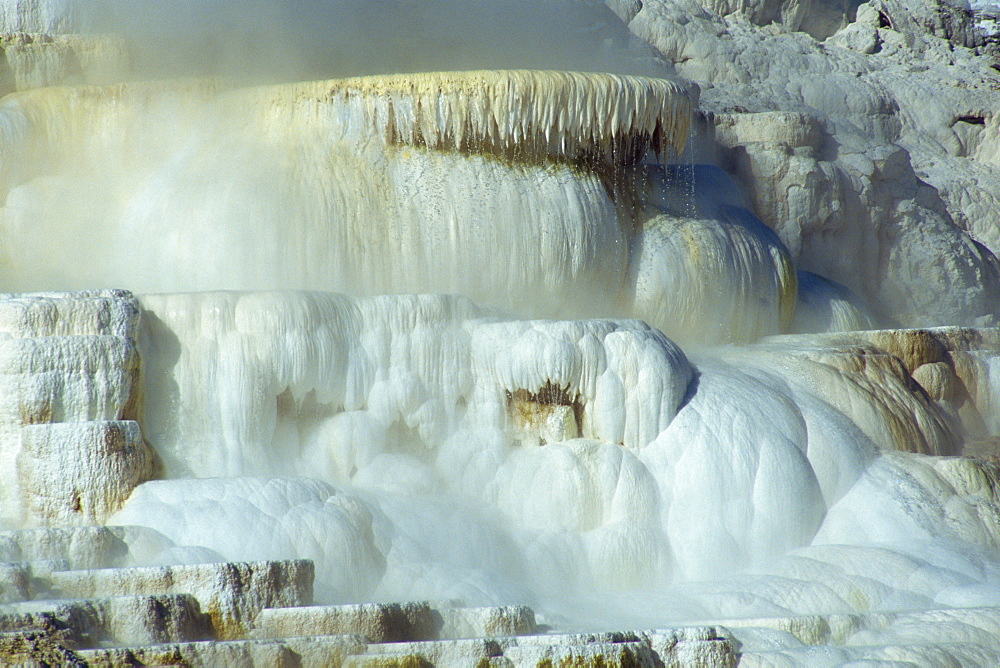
(692, 361)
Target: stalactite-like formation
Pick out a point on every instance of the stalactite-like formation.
(530, 114)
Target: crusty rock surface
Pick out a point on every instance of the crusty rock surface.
(126, 620)
(507, 620)
(170, 628)
(871, 153)
(225, 653)
(599, 654)
(435, 653)
(80, 473)
(36, 647)
(70, 445)
(83, 313)
(379, 623)
(232, 594)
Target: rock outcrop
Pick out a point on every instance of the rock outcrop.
(873, 170)
(69, 435)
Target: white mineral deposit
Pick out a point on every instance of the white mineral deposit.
(378, 333)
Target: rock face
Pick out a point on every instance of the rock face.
(40, 16)
(732, 358)
(378, 623)
(870, 169)
(231, 594)
(80, 473)
(72, 448)
(818, 18)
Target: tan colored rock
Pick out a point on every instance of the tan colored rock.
(535, 422)
(253, 654)
(436, 653)
(88, 312)
(70, 359)
(808, 629)
(693, 646)
(599, 638)
(869, 385)
(80, 473)
(322, 651)
(789, 129)
(232, 594)
(599, 654)
(508, 620)
(141, 619)
(817, 629)
(378, 622)
(939, 381)
(68, 379)
(15, 582)
(719, 653)
(34, 647)
(26, 580)
(954, 362)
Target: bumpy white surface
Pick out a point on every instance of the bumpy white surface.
(408, 395)
(69, 444)
(696, 225)
(80, 473)
(283, 519)
(748, 296)
(408, 409)
(391, 375)
(736, 436)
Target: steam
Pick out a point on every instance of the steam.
(333, 185)
(300, 40)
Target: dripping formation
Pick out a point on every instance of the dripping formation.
(526, 114)
(522, 115)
